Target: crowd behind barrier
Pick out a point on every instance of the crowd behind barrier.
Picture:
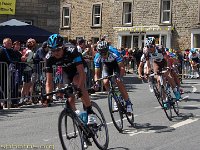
(22, 70)
(12, 77)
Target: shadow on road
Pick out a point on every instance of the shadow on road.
(118, 148)
(147, 128)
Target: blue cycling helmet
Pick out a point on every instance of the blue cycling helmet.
(55, 41)
(102, 47)
(150, 41)
(193, 50)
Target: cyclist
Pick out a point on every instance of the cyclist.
(194, 60)
(67, 56)
(142, 70)
(159, 59)
(111, 61)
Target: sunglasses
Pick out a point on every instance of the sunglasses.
(56, 50)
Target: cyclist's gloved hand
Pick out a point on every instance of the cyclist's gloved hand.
(78, 92)
(96, 87)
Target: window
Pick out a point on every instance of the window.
(196, 43)
(127, 13)
(66, 17)
(165, 11)
(96, 15)
(79, 38)
(95, 39)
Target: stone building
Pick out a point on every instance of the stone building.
(174, 24)
(41, 13)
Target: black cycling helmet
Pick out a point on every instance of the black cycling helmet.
(102, 47)
(55, 41)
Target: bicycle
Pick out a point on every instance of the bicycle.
(164, 89)
(73, 132)
(117, 115)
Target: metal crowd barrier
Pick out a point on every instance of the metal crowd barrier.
(13, 76)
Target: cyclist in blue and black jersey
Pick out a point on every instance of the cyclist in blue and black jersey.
(68, 57)
(111, 62)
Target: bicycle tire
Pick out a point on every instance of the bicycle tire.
(118, 121)
(157, 94)
(74, 134)
(100, 126)
(168, 111)
(130, 118)
(175, 107)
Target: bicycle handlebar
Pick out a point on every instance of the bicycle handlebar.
(116, 75)
(68, 89)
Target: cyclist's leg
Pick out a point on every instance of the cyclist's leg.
(122, 89)
(86, 100)
(158, 67)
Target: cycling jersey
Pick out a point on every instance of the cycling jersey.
(156, 56)
(69, 61)
(113, 55)
(193, 56)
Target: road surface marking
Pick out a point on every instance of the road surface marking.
(188, 121)
(177, 125)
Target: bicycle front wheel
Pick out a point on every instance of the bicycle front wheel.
(157, 94)
(100, 130)
(115, 112)
(175, 107)
(167, 109)
(70, 135)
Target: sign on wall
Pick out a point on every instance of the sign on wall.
(7, 7)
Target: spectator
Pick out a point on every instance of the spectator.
(27, 57)
(6, 55)
(41, 52)
(16, 75)
(81, 46)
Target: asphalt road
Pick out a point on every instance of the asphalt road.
(37, 126)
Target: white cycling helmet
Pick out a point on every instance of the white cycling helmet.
(150, 41)
(102, 47)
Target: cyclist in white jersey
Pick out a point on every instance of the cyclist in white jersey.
(159, 58)
(194, 60)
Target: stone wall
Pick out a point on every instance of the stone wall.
(43, 13)
(81, 19)
(147, 12)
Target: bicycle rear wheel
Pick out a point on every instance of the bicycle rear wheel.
(100, 130)
(117, 114)
(167, 110)
(70, 135)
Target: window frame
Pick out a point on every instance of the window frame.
(198, 11)
(93, 15)
(66, 17)
(125, 13)
(162, 12)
